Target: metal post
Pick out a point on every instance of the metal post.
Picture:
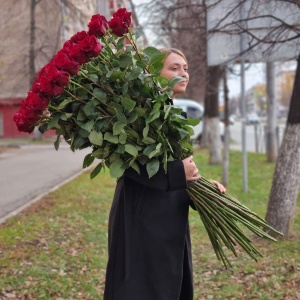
(243, 98)
(271, 117)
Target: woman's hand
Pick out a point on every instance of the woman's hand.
(219, 186)
(190, 169)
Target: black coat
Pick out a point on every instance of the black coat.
(149, 241)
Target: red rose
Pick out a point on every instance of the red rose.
(90, 46)
(77, 37)
(26, 118)
(78, 55)
(36, 101)
(120, 22)
(98, 26)
(51, 81)
(74, 40)
(66, 63)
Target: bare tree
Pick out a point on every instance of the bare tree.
(279, 40)
(286, 180)
(180, 24)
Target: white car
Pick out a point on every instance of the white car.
(195, 110)
(252, 118)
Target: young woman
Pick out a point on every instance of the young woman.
(149, 240)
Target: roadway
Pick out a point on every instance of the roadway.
(255, 137)
(29, 172)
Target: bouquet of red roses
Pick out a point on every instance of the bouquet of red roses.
(103, 93)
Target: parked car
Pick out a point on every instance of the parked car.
(195, 110)
(252, 118)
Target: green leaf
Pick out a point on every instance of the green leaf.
(83, 133)
(108, 136)
(93, 77)
(149, 149)
(152, 167)
(82, 94)
(81, 116)
(120, 44)
(128, 103)
(96, 171)
(156, 67)
(148, 140)
(193, 122)
(135, 166)
(56, 143)
(43, 128)
(156, 151)
(120, 149)
(146, 130)
(122, 138)
(99, 93)
(125, 89)
(141, 64)
(141, 111)
(118, 128)
(89, 108)
(53, 122)
(153, 116)
(125, 61)
(157, 58)
(131, 150)
(152, 52)
(88, 126)
(88, 160)
(68, 115)
(96, 138)
(174, 81)
(117, 74)
(79, 142)
(99, 153)
(63, 104)
(132, 117)
(135, 73)
(117, 168)
(167, 110)
(121, 117)
(132, 133)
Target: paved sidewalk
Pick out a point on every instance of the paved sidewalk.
(28, 172)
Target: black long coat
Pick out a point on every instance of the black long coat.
(149, 241)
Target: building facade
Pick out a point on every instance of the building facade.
(52, 22)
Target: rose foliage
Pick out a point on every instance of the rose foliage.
(103, 93)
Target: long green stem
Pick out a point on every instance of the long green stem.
(221, 215)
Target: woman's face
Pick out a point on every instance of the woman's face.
(175, 65)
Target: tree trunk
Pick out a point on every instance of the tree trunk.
(286, 180)
(212, 134)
